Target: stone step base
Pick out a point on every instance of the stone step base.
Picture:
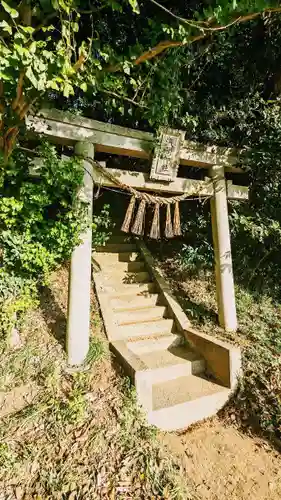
(134, 302)
(117, 248)
(140, 316)
(125, 278)
(109, 259)
(179, 403)
(143, 330)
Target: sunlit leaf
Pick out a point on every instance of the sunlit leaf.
(31, 76)
(11, 11)
(5, 27)
(83, 86)
(135, 6)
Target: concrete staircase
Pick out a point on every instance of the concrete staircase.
(174, 382)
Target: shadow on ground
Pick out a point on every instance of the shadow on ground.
(193, 310)
(54, 316)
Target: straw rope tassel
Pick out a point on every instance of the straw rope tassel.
(139, 220)
(177, 220)
(169, 233)
(155, 226)
(129, 215)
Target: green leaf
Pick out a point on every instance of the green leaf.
(12, 12)
(75, 27)
(52, 84)
(135, 6)
(32, 48)
(48, 28)
(83, 86)
(27, 29)
(126, 68)
(6, 27)
(64, 5)
(67, 90)
(31, 76)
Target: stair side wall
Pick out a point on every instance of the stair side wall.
(223, 359)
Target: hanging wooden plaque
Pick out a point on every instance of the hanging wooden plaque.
(167, 155)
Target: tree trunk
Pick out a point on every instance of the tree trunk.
(9, 132)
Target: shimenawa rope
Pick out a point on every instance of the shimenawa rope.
(171, 230)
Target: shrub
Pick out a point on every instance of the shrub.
(17, 295)
(41, 219)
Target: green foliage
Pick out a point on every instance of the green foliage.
(101, 226)
(41, 219)
(17, 295)
(229, 89)
(258, 399)
(45, 53)
(97, 350)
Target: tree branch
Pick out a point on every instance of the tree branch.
(164, 45)
(179, 18)
(118, 96)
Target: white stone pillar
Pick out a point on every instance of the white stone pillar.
(222, 250)
(78, 318)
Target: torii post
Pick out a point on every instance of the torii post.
(222, 250)
(79, 291)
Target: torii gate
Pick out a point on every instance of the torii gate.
(90, 136)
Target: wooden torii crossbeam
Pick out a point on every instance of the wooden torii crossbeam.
(90, 136)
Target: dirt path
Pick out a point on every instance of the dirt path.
(227, 464)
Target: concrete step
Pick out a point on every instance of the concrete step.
(112, 266)
(160, 364)
(149, 329)
(180, 402)
(147, 346)
(143, 315)
(125, 278)
(117, 289)
(111, 258)
(172, 363)
(117, 248)
(134, 302)
(120, 238)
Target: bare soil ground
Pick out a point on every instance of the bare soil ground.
(225, 464)
(82, 437)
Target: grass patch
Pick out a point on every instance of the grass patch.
(259, 397)
(97, 350)
(86, 445)
(83, 435)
